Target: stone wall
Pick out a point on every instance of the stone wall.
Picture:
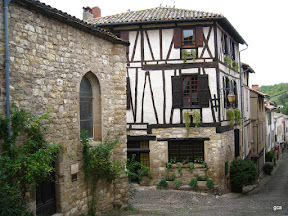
(218, 149)
(48, 59)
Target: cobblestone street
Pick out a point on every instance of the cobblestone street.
(269, 198)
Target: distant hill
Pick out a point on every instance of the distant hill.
(278, 93)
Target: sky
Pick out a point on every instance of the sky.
(261, 23)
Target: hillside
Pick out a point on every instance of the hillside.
(278, 94)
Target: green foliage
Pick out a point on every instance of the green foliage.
(97, 165)
(228, 61)
(191, 166)
(237, 115)
(210, 184)
(278, 94)
(231, 117)
(187, 121)
(235, 66)
(179, 165)
(177, 183)
(196, 118)
(190, 54)
(242, 173)
(162, 184)
(26, 159)
(268, 168)
(269, 156)
(136, 170)
(193, 183)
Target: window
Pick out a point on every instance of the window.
(232, 50)
(140, 149)
(188, 38)
(86, 106)
(185, 149)
(225, 44)
(190, 91)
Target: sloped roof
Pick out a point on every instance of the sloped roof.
(70, 20)
(165, 14)
(154, 14)
(259, 93)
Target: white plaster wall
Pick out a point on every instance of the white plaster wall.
(132, 37)
(155, 45)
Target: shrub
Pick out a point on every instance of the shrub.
(177, 183)
(162, 184)
(269, 156)
(210, 184)
(193, 183)
(268, 168)
(242, 173)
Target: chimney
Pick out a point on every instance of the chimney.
(90, 13)
(255, 87)
(96, 11)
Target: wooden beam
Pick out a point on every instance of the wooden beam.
(179, 66)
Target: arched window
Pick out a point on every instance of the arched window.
(86, 106)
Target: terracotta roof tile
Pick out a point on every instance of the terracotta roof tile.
(154, 14)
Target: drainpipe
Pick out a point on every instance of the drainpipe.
(241, 97)
(6, 3)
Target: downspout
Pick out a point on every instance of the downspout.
(6, 3)
(241, 97)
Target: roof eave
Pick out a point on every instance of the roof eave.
(223, 21)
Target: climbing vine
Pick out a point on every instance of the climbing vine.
(26, 159)
(98, 166)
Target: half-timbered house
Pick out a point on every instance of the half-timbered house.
(181, 65)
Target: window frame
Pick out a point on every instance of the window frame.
(192, 103)
(183, 39)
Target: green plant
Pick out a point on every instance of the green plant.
(196, 118)
(191, 166)
(242, 173)
(269, 156)
(228, 61)
(190, 53)
(193, 183)
(177, 183)
(231, 117)
(144, 171)
(185, 161)
(198, 160)
(187, 121)
(179, 165)
(97, 165)
(162, 184)
(26, 159)
(210, 184)
(235, 66)
(237, 115)
(268, 168)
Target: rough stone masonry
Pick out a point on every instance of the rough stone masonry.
(49, 55)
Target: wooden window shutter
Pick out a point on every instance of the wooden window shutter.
(199, 36)
(128, 90)
(176, 92)
(204, 91)
(177, 37)
(125, 36)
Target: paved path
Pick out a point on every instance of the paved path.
(272, 191)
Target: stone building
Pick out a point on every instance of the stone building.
(51, 53)
(182, 65)
(257, 153)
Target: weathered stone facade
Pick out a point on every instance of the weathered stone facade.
(218, 148)
(48, 59)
